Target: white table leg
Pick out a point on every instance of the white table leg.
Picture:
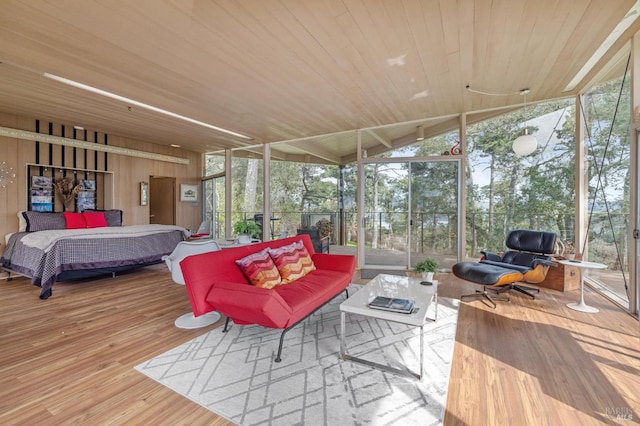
(403, 372)
(421, 373)
(342, 330)
(582, 307)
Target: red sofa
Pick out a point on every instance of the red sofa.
(214, 282)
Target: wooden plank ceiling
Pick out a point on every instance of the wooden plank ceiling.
(280, 70)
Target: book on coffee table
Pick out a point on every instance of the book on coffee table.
(392, 304)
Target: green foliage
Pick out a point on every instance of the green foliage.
(295, 188)
(325, 227)
(248, 227)
(426, 265)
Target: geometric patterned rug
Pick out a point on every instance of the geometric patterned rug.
(233, 374)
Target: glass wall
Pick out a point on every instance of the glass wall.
(213, 164)
(605, 109)
(503, 191)
(506, 192)
(246, 193)
(213, 193)
(303, 194)
(213, 205)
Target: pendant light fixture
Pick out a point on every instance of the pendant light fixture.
(525, 144)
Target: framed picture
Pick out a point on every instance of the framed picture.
(42, 207)
(144, 193)
(41, 182)
(188, 192)
(86, 203)
(42, 200)
(89, 185)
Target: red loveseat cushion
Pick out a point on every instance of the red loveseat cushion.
(308, 293)
(247, 304)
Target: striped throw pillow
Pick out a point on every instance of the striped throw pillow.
(293, 261)
(260, 269)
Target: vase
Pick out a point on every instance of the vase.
(427, 276)
(69, 204)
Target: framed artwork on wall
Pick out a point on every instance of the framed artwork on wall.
(41, 182)
(88, 185)
(42, 200)
(144, 193)
(188, 192)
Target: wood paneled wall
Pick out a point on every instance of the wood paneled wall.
(128, 171)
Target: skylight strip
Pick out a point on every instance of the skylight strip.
(622, 26)
(141, 104)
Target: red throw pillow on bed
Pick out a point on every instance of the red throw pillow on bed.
(75, 220)
(95, 219)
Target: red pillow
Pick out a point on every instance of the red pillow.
(75, 220)
(95, 219)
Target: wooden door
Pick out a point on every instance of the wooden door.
(162, 200)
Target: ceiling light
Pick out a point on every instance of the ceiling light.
(141, 105)
(78, 127)
(420, 133)
(174, 145)
(525, 144)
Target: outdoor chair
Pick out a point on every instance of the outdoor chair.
(320, 244)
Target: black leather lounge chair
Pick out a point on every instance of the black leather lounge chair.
(527, 259)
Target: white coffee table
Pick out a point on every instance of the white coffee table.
(391, 286)
(581, 265)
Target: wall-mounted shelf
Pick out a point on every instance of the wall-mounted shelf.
(91, 188)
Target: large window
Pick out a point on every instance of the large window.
(302, 194)
(605, 109)
(507, 192)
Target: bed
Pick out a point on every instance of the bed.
(47, 252)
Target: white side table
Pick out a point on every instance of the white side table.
(581, 265)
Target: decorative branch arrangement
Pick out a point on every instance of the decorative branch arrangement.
(67, 189)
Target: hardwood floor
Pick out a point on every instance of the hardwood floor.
(70, 359)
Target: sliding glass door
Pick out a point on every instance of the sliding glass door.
(411, 212)
(435, 201)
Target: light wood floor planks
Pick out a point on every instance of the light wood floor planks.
(69, 359)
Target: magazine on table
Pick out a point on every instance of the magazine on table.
(392, 304)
